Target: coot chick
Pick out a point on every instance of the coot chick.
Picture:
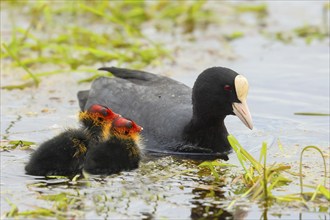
(121, 152)
(177, 120)
(65, 153)
(97, 120)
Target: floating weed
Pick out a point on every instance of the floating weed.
(234, 35)
(252, 8)
(307, 32)
(187, 15)
(68, 46)
(259, 10)
(311, 114)
(65, 205)
(36, 213)
(310, 33)
(13, 144)
(62, 200)
(117, 35)
(212, 164)
(19, 86)
(260, 180)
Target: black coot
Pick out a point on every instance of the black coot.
(65, 153)
(176, 119)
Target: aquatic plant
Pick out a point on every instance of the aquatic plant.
(57, 37)
(60, 205)
(311, 114)
(260, 180)
(64, 206)
(307, 32)
(13, 144)
(80, 36)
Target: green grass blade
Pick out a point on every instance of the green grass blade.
(280, 146)
(35, 79)
(315, 193)
(263, 154)
(210, 166)
(13, 209)
(300, 166)
(236, 145)
(19, 86)
(324, 191)
(311, 114)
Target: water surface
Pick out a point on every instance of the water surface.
(284, 79)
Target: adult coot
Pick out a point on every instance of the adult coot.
(121, 151)
(65, 153)
(176, 119)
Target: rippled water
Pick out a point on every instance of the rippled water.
(284, 79)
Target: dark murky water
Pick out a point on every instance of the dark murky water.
(284, 79)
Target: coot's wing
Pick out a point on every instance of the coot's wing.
(137, 77)
(161, 105)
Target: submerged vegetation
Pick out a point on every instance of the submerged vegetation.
(80, 36)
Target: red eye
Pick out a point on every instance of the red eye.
(227, 87)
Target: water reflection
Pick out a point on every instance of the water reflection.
(212, 209)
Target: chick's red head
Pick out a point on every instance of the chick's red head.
(103, 112)
(125, 127)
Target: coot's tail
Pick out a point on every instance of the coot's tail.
(131, 75)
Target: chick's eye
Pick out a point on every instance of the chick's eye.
(129, 125)
(227, 88)
(104, 112)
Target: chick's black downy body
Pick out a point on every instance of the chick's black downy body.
(61, 155)
(120, 152)
(65, 153)
(112, 156)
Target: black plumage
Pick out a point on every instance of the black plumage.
(121, 152)
(65, 153)
(176, 119)
(61, 155)
(112, 156)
